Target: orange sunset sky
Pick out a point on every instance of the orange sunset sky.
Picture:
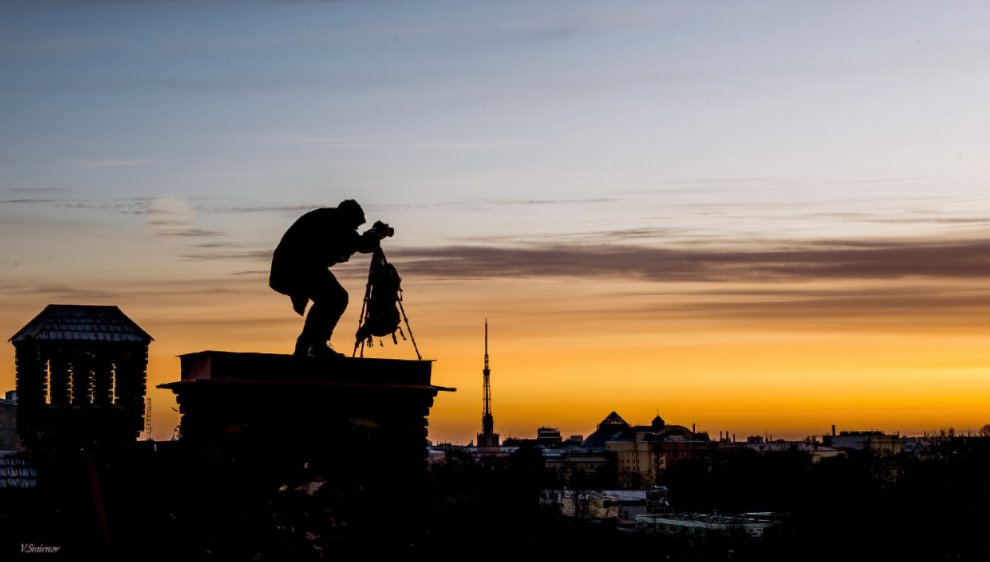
(763, 218)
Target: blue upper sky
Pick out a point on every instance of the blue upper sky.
(433, 101)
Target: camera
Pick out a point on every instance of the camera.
(382, 229)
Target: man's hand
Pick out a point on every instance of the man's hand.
(382, 230)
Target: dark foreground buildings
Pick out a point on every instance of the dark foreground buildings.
(324, 459)
(279, 457)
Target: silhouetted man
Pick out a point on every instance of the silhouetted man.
(300, 268)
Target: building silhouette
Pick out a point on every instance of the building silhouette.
(548, 437)
(81, 376)
(876, 442)
(8, 422)
(639, 453)
(488, 440)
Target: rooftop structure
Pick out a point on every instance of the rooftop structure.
(643, 452)
(876, 442)
(8, 422)
(81, 375)
(352, 431)
(548, 437)
(698, 526)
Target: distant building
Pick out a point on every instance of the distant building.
(579, 461)
(612, 426)
(643, 452)
(697, 528)
(8, 422)
(917, 446)
(440, 452)
(17, 471)
(876, 442)
(548, 437)
(434, 456)
(816, 451)
(597, 504)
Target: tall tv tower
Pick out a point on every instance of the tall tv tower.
(487, 439)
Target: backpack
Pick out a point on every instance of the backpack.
(381, 301)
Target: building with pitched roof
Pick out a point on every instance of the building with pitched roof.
(81, 376)
(643, 452)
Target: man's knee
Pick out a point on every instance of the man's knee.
(332, 297)
(335, 293)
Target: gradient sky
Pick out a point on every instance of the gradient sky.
(760, 217)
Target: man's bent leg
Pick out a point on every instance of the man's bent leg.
(299, 302)
(329, 303)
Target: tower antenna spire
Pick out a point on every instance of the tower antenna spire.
(487, 439)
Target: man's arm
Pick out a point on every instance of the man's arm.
(371, 239)
(368, 242)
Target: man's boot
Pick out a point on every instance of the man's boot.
(325, 350)
(305, 348)
(302, 347)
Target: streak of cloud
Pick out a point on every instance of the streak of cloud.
(142, 290)
(353, 144)
(190, 233)
(816, 260)
(245, 209)
(172, 217)
(54, 291)
(26, 201)
(250, 255)
(32, 190)
(111, 162)
(528, 202)
(852, 307)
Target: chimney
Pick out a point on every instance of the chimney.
(833, 430)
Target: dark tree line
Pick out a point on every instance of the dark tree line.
(934, 506)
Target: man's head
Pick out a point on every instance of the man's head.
(352, 212)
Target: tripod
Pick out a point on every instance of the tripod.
(381, 306)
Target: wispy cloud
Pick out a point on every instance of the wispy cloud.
(27, 201)
(172, 216)
(190, 233)
(799, 261)
(252, 209)
(111, 162)
(374, 144)
(143, 290)
(126, 206)
(561, 201)
(217, 245)
(31, 190)
(863, 307)
(249, 255)
(73, 44)
(54, 291)
(918, 218)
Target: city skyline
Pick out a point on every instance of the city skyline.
(767, 218)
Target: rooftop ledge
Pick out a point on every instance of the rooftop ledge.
(222, 368)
